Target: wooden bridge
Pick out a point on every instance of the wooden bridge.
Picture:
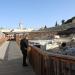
(45, 63)
(40, 63)
(11, 60)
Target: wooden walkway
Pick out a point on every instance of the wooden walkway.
(12, 62)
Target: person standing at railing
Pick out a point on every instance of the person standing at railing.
(24, 47)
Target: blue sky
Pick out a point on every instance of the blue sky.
(35, 13)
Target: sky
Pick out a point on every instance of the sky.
(35, 13)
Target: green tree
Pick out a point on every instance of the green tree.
(56, 24)
(45, 27)
(63, 21)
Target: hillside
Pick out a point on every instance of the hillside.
(70, 23)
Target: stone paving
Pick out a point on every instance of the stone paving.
(12, 62)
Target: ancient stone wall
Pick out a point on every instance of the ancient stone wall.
(37, 35)
(41, 35)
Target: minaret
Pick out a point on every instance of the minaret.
(21, 25)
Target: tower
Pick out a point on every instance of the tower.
(21, 24)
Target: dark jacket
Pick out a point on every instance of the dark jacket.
(24, 44)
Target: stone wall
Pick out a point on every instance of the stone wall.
(41, 35)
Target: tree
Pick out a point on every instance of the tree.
(63, 21)
(56, 24)
(45, 27)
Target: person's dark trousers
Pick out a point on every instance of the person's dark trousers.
(24, 52)
(24, 60)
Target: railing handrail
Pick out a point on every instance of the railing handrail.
(60, 56)
(45, 60)
(45, 63)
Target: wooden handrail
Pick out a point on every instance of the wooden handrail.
(50, 63)
(44, 63)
